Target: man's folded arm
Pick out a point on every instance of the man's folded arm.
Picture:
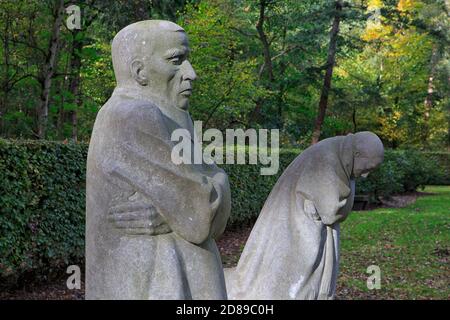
(185, 198)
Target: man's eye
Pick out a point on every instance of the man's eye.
(176, 60)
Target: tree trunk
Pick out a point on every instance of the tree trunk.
(255, 114)
(75, 67)
(265, 43)
(75, 80)
(430, 89)
(5, 82)
(428, 103)
(61, 113)
(48, 70)
(329, 73)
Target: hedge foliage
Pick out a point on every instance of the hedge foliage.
(42, 198)
(405, 171)
(441, 160)
(42, 195)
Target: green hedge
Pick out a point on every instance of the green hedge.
(404, 171)
(442, 162)
(42, 195)
(249, 189)
(42, 198)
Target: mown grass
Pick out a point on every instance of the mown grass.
(410, 245)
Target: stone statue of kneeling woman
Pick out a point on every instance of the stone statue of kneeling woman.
(293, 249)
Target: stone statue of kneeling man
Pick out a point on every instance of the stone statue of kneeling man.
(293, 249)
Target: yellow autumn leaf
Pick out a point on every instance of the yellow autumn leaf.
(405, 5)
(374, 4)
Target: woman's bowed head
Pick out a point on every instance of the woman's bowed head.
(328, 189)
(368, 153)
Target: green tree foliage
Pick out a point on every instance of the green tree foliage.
(226, 87)
(260, 63)
(398, 84)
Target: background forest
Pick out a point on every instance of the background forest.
(313, 69)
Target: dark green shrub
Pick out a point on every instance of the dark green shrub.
(401, 171)
(384, 181)
(418, 169)
(42, 194)
(442, 160)
(249, 189)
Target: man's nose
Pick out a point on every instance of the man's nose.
(188, 71)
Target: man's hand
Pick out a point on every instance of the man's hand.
(138, 218)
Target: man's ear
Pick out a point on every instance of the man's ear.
(137, 72)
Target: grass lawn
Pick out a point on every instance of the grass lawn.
(410, 245)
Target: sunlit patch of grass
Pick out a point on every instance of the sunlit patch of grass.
(410, 245)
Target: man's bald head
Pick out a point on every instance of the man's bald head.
(137, 41)
(152, 57)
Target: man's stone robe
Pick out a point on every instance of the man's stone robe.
(150, 224)
(291, 253)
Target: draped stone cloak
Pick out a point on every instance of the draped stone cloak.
(291, 253)
(150, 224)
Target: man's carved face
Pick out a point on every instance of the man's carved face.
(169, 72)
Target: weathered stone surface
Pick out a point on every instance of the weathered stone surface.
(151, 224)
(293, 249)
